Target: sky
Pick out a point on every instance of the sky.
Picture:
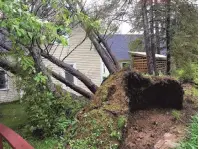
(124, 27)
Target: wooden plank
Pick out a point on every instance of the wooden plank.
(15, 140)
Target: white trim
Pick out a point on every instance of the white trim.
(101, 70)
(158, 56)
(102, 73)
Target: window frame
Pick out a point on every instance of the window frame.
(6, 81)
(102, 73)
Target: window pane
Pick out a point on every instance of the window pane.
(2, 79)
(69, 77)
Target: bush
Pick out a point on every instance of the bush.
(48, 116)
(188, 73)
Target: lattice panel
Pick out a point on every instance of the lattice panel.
(140, 64)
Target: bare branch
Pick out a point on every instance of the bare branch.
(75, 48)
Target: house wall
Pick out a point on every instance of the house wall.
(9, 94)
(86, 59)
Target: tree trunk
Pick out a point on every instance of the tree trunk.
(103, 51)
(8, 66)
(103, 54)
(112, 56)
(147, 42)
(152, 38)
(71, 85)
(157, 32)
(40, 67)
(168, 37)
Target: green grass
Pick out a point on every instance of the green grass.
(14, 116)
(192, 141)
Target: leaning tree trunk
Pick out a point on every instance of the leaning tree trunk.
(100, 45)
(88, 83)
(40, 67)
(107, 114)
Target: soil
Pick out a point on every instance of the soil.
(147, 128)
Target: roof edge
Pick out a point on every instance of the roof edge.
(158, 56)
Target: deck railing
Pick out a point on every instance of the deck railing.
(13, 139)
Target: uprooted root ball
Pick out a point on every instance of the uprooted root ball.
(147, 92)
(101, 123)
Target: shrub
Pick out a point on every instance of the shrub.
(188, 73)
(48, 115)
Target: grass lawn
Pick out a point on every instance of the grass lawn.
(14, 116)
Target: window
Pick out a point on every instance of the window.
(62, 33)
(69, 77)
(3, 84)
(125, 64)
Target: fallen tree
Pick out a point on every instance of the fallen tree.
(123, 92)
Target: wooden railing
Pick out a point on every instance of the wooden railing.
(14, 140)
